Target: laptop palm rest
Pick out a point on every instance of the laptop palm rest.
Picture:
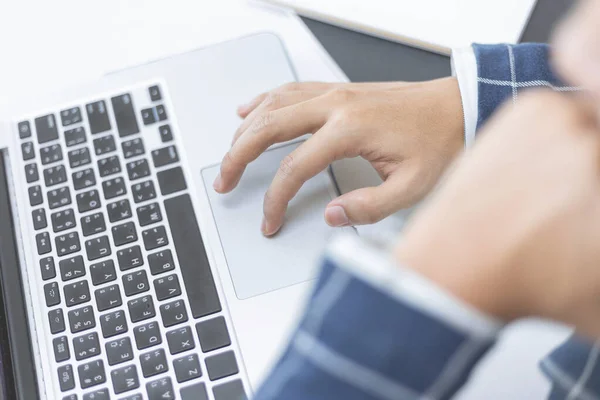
(258, 264)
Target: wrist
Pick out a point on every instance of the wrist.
(463, 269)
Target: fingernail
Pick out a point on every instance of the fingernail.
(242, 109)
(336, 216)
(267, 228)
(218, 183)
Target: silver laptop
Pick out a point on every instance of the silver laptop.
(124, 275)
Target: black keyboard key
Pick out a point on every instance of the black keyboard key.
(109, 166)
(72, 396)
(193, 262)
(55, 175)
(221, 365)
(63, 220)
(84, 179)
(119, 210)
(143, 191)
(76, 293)
(99, 394)
(133, 148)
(113, 188)
(67, 244)
(171, 181)
(39, 219)
(135, 283)
(66, 379)
(162, 389)
(165, 133)
(43, 243)
(31, 173)
(161, 262)
(155, 238)
(27, 151)
(197, 391)
(138, 169)
(118, 351)
(35, 196)
(56, 319)
(86, 346)
(103, 272)
(213, 334)
(91, 374)
(161, 112)
(97, 248)
(105, 144)
(59, 197)
(154, 93)
(230, 390)
(141, 308)
(75, 136)
(149, 214)
(166, 155)
(46, 128)
(52, 294)
(180, 340)
(125, 379)
(124, 233)
(108, 297)
(173, 313)
(92, 224)
(47, 268)
(187, 368)
(50, 154)
(153, 363)
(130, 257)
(113, 323)
(148, 116)
(79, 157)
(61, 349)
(81, 319)
(71, 268)
(147, 335)
(98, 117)
(70, 116)
(88, 201)
(167, 287)
(24, 129)
(125, 115)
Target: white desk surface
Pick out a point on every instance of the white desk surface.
(46, 45)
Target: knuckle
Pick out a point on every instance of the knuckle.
(341, 119)
(273, 100)
(228, 164)
(286, 167)
(271, 205)
(372, 212)
(262, 123)
(342, 94)
(289, 87)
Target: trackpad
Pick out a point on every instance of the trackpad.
(258, 264)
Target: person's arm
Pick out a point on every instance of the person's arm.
(374, 330)
(489, 75)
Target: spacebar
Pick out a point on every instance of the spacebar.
(197, 276)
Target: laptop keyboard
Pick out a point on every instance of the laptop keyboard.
(131, 303)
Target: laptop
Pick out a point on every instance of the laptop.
(123, 274)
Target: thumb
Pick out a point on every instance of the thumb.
(371, 204)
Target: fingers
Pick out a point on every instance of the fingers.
(372, 204)
(267, 129)
(312, 157)
(271, 102)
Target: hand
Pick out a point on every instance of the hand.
(515, 229)
(409, 132)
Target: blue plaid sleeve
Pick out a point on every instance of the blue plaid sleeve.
(358, 342)
(504, 71)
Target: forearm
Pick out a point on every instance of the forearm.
(375, 331)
